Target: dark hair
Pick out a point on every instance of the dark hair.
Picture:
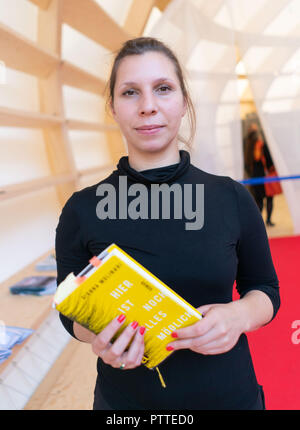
(139, 46)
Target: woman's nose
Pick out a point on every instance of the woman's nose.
(147, 105)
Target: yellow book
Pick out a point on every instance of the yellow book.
(115, 283)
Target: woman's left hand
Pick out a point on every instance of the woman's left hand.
(217, 332)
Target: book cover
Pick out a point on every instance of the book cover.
(115, 283)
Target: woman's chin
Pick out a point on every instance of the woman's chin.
(152, 146)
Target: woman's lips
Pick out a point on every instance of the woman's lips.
(153, 129)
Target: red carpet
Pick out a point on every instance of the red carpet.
(275, 351)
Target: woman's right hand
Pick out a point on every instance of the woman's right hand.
(114, 354)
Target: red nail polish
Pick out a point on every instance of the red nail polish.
(174, 334)
(169, 348)
(134, 325)
(121, 318)
(142, 330)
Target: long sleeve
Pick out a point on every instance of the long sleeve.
(71, 255)
(255, 266)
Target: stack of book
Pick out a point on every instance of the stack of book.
(35, 285)
(47, 265)
(4, 353)
(9, 337)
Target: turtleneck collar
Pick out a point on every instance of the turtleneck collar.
(158, 175)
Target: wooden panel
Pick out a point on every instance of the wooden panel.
(74, 124)
(21, 54)
(15, 190)
(41, 394)
(91, 20)
(137, 17)
(79, 78)
(19, 118)
(95, 170)
(69, 383)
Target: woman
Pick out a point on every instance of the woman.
(211, 366)
(258, 162)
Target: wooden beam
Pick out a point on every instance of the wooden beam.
(49, 32)
(75, 124)
(91, 20)
(43, 4)
(19, 118)
(79, 78)
(94, 170)
(23, 188)
(22, 54)
(57, 144)
(138, 16)
(162, 4)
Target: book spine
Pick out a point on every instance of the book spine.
(94, 263)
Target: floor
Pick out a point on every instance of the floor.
(280, 217)
(70, 383)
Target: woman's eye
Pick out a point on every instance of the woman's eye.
(164, 89)
(129, 93)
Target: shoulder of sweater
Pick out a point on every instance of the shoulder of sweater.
(211, 177)
(222, 184)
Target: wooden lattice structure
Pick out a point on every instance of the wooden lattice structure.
(43, 60)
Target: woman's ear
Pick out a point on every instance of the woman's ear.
(111, 107)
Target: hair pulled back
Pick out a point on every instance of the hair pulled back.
(139, 46)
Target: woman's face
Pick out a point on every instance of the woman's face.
(148, 101)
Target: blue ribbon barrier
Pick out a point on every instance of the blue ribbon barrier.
(263, 179)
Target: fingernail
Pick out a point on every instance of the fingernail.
(169, 348)
(142, 330)
(174, 334)
(121, 318)
(134, 325)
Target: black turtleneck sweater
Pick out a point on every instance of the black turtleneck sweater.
(200, 265)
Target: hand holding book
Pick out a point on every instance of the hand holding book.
(221, 328)
(115, 353)
(113, 284)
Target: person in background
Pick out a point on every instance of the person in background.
(258, 163)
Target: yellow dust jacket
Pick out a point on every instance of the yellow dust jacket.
(115, 283)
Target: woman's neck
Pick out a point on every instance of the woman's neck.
(140, 161)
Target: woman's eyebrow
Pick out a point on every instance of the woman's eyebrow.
(159, 80)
